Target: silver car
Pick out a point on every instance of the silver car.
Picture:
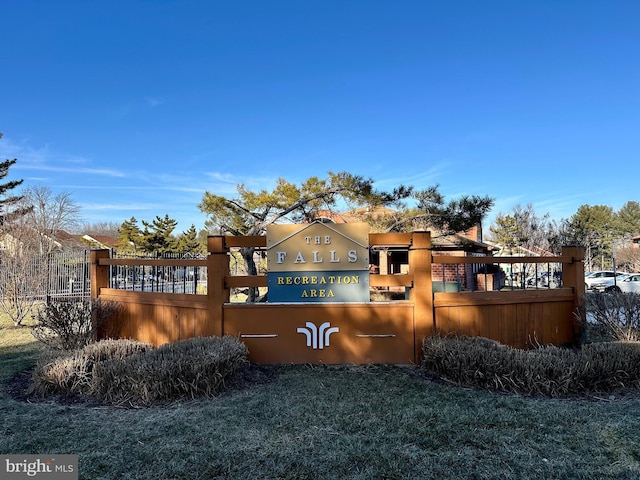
(629, 284)
(601, 281)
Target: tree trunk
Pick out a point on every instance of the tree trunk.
(250, 265)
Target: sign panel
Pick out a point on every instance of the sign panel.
(319, 286)
(318, 262)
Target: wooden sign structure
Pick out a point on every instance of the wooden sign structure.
(341, 325)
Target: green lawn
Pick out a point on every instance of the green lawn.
(18, 350)
(352, 422)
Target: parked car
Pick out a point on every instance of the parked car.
(629, 284)
(601, 281)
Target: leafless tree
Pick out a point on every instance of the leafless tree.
(28, 240)
(22, 275)
(628, 258)
(101, 228)
(50, 214)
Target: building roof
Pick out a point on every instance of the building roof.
(100, 241)
(459, 241)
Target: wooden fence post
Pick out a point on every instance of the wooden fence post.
(217, 294)
(422, 291)
(573, 277)
(99, 274)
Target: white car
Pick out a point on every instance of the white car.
(630, 284)
(602, 280)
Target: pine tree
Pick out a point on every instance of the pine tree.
(189, 242)
(9, 204)
(629, 217)
(130, 236)
(156, 236)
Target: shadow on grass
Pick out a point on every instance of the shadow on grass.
(17, 358)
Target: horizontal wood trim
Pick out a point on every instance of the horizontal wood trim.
(258, 241)
(245, 281)
(390, 239)
(391, 280)
(445, 259)
(457, 299)
(367, 307)
(155, 298)
(156, 262)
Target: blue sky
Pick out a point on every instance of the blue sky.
(137, 108)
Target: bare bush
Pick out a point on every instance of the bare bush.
(72, 324)
(616, 313)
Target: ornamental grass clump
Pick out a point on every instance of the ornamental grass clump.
(71, 371)
(182, 370)
(127, 372)
(548, 370)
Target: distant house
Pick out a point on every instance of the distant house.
(61, 241)
(68, 241)
(13, 244)
(100, 241)
(8, 243)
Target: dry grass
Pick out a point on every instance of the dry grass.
(186, 369)
(606, 367)
(72, 372)
(125, 372)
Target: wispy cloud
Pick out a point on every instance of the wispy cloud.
(42, 159)
(419, 179)
(225, 183)
(557, 206)
(506, 204)
(223, 177)
(154, 102)
(125, 206)
(77, 170)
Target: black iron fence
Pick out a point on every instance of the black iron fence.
(163, 278)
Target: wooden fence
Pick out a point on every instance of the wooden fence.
(370, 332)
